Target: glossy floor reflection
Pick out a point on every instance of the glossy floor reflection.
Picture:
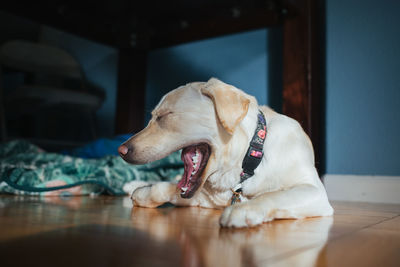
(106, 231)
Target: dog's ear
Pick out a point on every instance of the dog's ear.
(230, 103)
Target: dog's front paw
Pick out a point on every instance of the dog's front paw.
(242, 215)
(142, 197)
(130, 187)
(151, 196)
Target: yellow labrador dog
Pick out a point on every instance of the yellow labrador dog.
(246, 158)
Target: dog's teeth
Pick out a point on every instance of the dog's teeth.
(184, 189)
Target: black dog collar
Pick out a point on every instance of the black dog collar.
(253, 157)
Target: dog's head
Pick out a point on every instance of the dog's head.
(203, 120)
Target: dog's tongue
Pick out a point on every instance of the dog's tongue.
(191, 157)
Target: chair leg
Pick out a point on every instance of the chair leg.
(3, 129)
(93, 127)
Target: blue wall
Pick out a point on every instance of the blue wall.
(239, 59)
(363, 87)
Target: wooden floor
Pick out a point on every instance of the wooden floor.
(106, 231)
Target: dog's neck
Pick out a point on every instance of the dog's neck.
(253, 156)
(254, 153)
(227, 172)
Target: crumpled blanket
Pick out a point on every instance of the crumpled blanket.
(26, 169)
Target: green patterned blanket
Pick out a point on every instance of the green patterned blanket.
(26, 169)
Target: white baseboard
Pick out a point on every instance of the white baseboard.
(363, 188)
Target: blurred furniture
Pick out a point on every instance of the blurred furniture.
(137, 27)
(53, 86)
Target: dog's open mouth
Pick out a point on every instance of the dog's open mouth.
(195, 158)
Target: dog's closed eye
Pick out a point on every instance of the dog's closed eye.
(163, 115)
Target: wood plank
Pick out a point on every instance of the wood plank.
(107, 230)
(80, 22)
(160, 24)
(367, 247)
(221, 22)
